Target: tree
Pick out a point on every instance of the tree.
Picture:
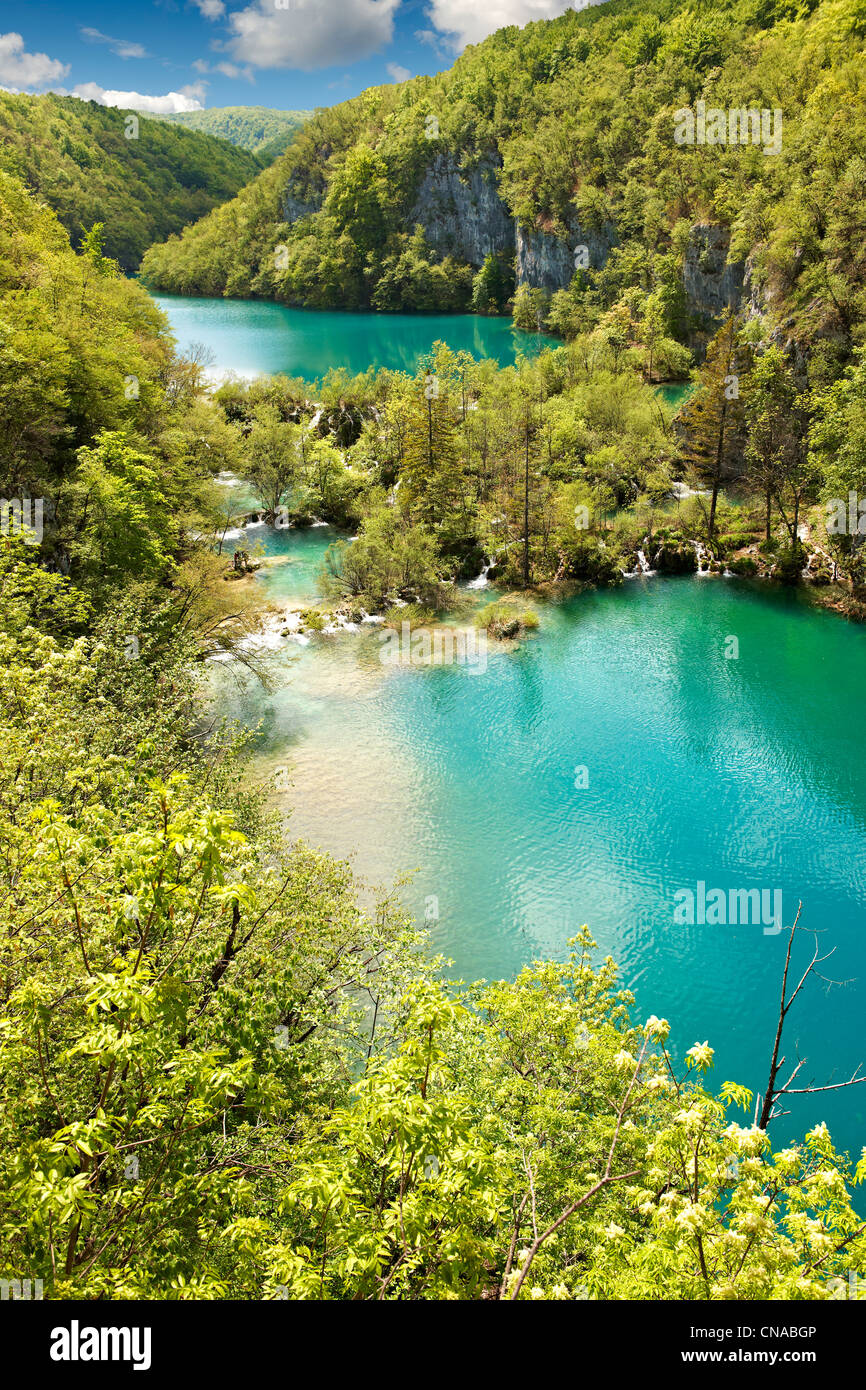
(531, 307)
(124, 527)
(433, 471)
(493, 286)
(712, 416)
(272, 464)
(766, 1105)
(388, 559)
(358, 198)
(777, 412)
(837, 453)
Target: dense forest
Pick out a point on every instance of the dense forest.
(568, 127)
(144, 181)
(542, 174)
(226, 1073)
(218, 1076)
(260, 130)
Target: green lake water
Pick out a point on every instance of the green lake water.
(673, 393)
(738, 773)
(255, 336)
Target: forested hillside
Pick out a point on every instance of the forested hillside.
(258, 129)
(568, 128)
(90, 165)
(227, 1069)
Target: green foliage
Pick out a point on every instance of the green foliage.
(415, 280)
(778, 411)
(839, 435)
(272, 456)
(531, 307)
(76, 156)
(713, 415)
(590, 561)
(493, 286)
(503, 620)
(579, 114)
(126, 524)
(387, 561)
(259, 129)
(98, 417)
(220, 1075)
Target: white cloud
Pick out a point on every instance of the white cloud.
(432, 39)
(122, 48)
(397, 73)
(187, 99)
(19, 69)
(466, 21)
(309, 34)
(227, 69)
(211, 9)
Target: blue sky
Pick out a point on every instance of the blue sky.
(174, 55)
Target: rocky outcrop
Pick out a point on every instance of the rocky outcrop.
(295, 207)
(548, 262)
(712, 285)
(463, 215)
(675, 557)
(461, 211)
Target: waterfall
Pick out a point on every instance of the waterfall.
(641, 568)
(481, 581)
(703, 557)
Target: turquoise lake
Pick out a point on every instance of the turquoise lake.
(254, 336)
(738, 773)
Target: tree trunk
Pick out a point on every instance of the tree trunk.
(717, 481)
(526, 513)
(713, 501)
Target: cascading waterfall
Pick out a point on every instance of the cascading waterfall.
(703, 557)
(642, 567)
(481, 581)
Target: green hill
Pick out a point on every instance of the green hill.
(75, 155)
(258, 129)
(558, 136)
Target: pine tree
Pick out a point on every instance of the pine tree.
(713, 416)
(432, 467)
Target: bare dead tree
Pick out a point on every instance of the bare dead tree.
(775, 1092)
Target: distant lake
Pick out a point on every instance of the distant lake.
(251, 336)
